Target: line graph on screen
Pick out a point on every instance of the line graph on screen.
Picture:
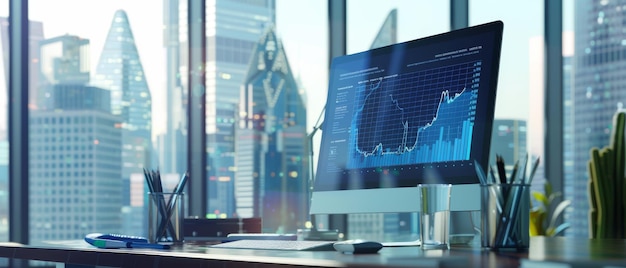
(416, 117)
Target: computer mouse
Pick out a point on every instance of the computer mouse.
(357, 246)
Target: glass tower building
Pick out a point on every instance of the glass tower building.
(272, 181)
(120, 71)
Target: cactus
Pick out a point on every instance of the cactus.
(607, 185)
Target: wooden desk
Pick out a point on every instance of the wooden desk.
(577, 252)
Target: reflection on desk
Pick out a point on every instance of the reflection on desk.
(553, 250)
(569, 252)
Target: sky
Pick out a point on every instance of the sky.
(302, 26)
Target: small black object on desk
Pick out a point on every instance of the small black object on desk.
(357, 246)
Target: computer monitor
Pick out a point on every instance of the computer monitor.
(410, 113)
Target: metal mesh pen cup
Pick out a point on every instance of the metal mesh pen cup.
(165, 217)
(505, 215)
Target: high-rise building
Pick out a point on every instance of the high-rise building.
(273, 181)
(75, 180)
(171, 145)
(63, 60)
(388, 32)
(233, 29)
(120, 71)
(75, 150)
(599, 61)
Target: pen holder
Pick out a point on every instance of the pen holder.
(505, 213)
(165, 217)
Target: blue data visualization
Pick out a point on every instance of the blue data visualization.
(414, 118)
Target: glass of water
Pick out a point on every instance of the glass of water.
(435, 215)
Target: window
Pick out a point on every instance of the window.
(65, 52)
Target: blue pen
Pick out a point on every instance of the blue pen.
(119, 241)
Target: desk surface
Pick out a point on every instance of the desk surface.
(575, 252)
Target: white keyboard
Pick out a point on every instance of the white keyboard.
(298, 245)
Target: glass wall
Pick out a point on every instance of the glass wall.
(108, 98)
(4, 144)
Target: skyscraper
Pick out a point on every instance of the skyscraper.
(273, 180)
(120, 71)
(388, 32)
(74, 178)
(172, 144)
(233, 29)
(63, 60)
(599, 61)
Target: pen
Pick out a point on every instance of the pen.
(105, 243)
(532, 172)
(514, 172)
(480, 173)
(493, 175)
(501, 171)
(524, 168)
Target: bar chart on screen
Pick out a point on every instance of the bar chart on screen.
(397, 122)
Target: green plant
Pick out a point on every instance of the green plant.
(541, 213)
(607, 185)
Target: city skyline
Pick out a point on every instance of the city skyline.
(308, 55)
(292, 28)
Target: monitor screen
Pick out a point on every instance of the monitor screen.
(410, 113)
